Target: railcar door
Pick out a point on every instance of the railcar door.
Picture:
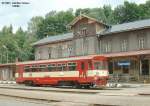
(19, 70)
(83, 67)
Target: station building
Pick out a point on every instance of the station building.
(7, 72)
(127, 46)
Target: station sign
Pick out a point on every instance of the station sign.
(124, 63)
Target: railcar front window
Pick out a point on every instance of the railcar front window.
(99, 65)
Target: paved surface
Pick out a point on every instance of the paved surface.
(119, 96)
(11, 101)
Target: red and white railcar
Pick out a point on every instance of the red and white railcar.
(75, 71)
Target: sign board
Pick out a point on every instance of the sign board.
(124, 63)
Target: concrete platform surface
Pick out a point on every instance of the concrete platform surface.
(121, 97)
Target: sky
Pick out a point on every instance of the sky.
(20, 16)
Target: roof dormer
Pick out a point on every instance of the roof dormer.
(84, 25)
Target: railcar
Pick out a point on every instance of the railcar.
(79, 71)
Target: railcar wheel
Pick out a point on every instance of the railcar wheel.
(29, 83)
(86, 86)
(77, 85)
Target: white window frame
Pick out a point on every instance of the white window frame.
(141, 42)
(124, 45)
(107, 47)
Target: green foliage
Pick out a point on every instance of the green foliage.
(123, 13)
(34, 24)
(13, 46)
(127, 12)
(55, 23)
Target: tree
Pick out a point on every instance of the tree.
(109, 13)
(16, 45)
(82, 11)
(145, 10)
(7, 30)
(127, 12)
(33, 25)
(25, 49)
(55, 24)
(8, 45)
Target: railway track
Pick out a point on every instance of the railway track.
(51, 89)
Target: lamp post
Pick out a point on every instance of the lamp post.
(6, 53)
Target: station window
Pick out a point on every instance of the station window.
(27, 69)
(42, 68)
(145, 67)
(83, 31)
(141, 42)
(124, 45)
(107, 47)
(72, 66)
(51, 67)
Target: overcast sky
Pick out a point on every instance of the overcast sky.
(21, 16)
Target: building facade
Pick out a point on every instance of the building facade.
(7, 72)
(127, 46)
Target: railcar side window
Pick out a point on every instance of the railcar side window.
(51, 67)
(34, 68)
(27, 69)
(72, 66)
(42, 68)
(59, 67)
(64, 67)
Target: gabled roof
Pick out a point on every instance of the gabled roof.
(54, 38)
(84, 16)
(126, 27)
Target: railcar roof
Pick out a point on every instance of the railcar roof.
(62, 59)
